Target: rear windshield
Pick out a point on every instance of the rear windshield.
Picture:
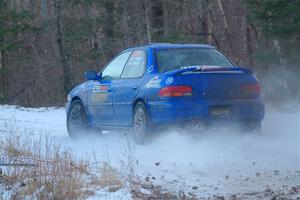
(172, 59)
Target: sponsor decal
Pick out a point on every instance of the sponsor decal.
(134, 61)
(99, 89)
(150, 68)
(169, 81)
(100, 97)
(99, 93)
(153, 83)
(137, 53)
(202, 67)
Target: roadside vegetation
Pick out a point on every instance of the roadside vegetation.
(54, 42)
(38, 167)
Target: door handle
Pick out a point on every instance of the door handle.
(135, 87)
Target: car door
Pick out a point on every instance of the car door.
(100, 95)
(126, 88)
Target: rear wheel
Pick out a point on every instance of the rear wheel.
(140, 124)
(77, 120)
(253, 126)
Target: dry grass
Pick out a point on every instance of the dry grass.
(37, 167)
(41, 168)
(109, 178)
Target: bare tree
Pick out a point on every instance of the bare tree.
(61, 45)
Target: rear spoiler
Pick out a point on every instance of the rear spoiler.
(211, 69)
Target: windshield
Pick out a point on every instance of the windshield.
(172, 59)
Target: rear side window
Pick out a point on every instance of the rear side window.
(135, 66)
(172, 59)
(114, 69)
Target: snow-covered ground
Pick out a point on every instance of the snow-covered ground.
(220, 162)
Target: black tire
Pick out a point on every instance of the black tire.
(140, 124)
(76, 120)
(253, 127)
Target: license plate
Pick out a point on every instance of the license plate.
(219, 111)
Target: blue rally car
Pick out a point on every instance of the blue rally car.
(165, 84)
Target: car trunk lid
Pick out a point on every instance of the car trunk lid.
(218, 83)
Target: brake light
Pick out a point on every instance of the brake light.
(175, 91)
(252, 89)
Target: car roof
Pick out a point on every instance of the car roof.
(170, 46)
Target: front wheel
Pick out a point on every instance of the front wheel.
(140, 124)
(76, 120)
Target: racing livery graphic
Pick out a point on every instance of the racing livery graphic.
(160, 85)
(99, 94)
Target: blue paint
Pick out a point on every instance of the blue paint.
(210, 88)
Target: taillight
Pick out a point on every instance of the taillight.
(175, 91)
(253, 89)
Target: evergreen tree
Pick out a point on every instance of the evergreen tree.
(277, 18)
(12, 23)
(279, 21)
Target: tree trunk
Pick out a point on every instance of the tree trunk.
(147, 19)
(249, 46)
(3, 91)
(210, 25)
(109, 24)
(3, 79)
(157, 19)
(61, 46)
(282, 59)
(227, 31)
(203, 17)
(283, 65)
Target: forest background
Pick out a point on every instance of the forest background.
(47, 45)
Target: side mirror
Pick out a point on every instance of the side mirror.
(90, 75)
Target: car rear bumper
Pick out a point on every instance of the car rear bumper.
(175, 111)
